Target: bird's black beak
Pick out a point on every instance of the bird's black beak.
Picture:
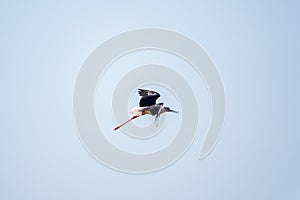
(174, 111)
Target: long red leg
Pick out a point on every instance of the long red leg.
(133, 117)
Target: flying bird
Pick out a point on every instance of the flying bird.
(147, 105)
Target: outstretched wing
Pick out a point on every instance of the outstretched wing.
(148, 97)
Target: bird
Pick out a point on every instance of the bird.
(147, 106)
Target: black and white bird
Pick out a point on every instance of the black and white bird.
(147, 105)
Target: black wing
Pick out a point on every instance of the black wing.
(148, 97)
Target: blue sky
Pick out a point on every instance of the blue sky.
(255, 46)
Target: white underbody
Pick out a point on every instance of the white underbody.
(137, 111)
(155, 110)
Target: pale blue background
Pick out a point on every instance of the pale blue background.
(255, 46)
